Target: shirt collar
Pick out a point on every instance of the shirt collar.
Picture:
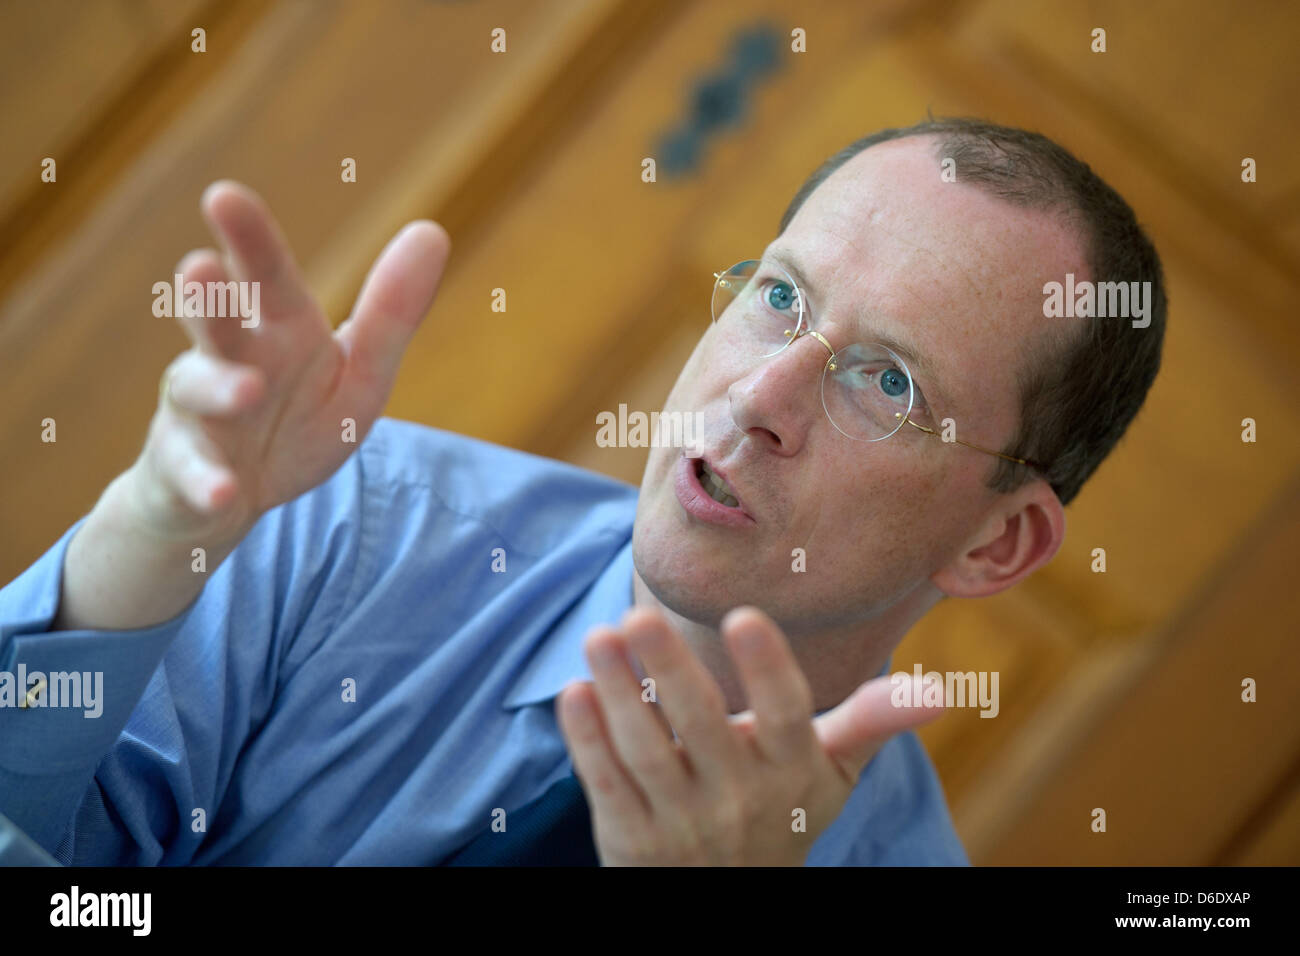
(559, 659)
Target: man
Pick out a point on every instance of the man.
(314, 656)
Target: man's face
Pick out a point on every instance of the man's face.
(887, 250)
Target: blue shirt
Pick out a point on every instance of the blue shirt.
(357, 685)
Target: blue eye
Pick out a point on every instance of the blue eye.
(781, 297)
(893, 382)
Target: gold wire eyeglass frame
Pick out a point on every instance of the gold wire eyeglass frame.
(906, 417)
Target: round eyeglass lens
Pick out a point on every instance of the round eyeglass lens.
(758, 303)
(867, 391)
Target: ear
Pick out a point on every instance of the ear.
(1021, 534)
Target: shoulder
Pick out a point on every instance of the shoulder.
(409, 526)
(531, 501)
(419, 494)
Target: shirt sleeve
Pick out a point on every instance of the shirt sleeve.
(126, 756)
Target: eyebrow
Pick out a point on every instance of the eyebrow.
(932, 388)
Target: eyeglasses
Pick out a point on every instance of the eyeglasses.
(867, 388)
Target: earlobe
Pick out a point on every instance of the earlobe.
(1020, 536)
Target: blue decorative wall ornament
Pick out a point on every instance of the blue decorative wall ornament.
(719, 101)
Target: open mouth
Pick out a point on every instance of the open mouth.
(714, 486)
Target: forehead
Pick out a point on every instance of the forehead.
(888, 246)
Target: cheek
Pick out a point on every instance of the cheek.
(890, 519)
(685, 396)
(688, 395)
(940, 505)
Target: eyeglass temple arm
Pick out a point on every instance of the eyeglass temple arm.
(987, 451)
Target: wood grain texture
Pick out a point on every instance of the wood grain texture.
(1114, 687)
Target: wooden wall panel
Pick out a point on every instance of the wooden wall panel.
(275, 117)
(98, 129)
(1108, 683)
(588, 233)
(1180, 761)
(1181, 492)
(62, 63)
(1206, 79)
(1192, 203)
(1274, 838)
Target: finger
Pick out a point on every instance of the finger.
(853, 732)
(255, 247)
(609, 789)
(775, 687)
(654, 763)
(204, 384)
(687, 692)
(215, 334)
(194, 469)
(396, 295)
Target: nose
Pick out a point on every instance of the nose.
(779, 400)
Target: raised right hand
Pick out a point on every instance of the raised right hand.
(253, 416)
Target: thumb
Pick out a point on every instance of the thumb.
(396, 295)
(853, 732)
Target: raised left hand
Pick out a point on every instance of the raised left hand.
(754, 788)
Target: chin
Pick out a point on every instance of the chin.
(687, 583)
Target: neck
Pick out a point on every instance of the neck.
(835, 661)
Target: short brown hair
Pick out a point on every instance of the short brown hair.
(1076, 403)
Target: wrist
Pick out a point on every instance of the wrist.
(138, 508)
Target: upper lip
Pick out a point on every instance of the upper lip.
(735, 492)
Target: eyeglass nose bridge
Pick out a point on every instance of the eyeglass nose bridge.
(830, 361)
